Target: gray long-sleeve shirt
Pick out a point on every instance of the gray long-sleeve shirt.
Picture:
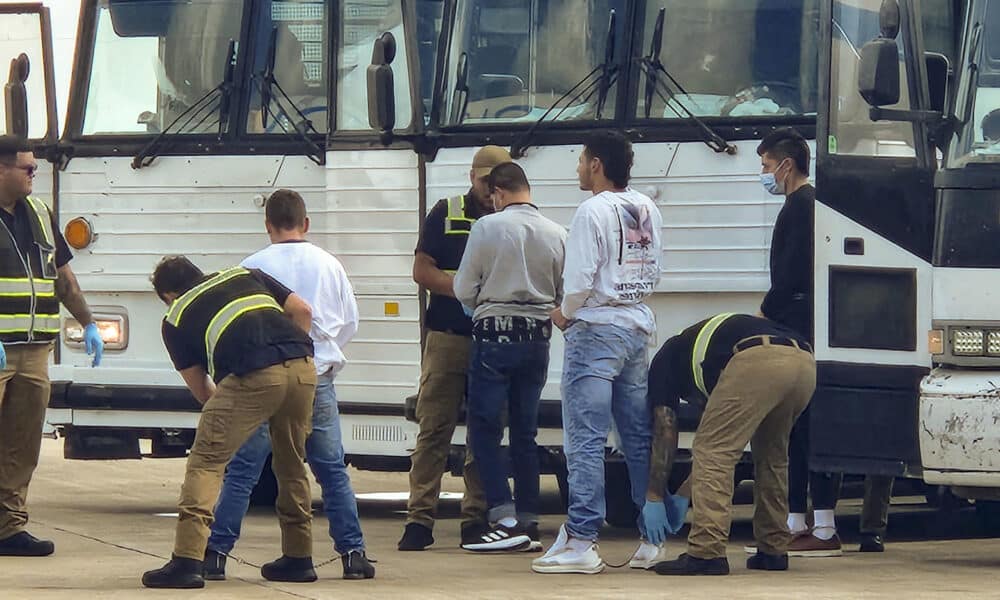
(512, 265)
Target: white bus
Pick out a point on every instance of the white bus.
(184, 114)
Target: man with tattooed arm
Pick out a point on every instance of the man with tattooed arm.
(757, 377)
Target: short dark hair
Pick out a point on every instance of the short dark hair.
(614, 150)
(786, 143)
(508, 176)
(175, 274)
(10, 145)
(285, 209)
(991, 125)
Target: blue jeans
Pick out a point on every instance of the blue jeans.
(507, 378)
(604, 376)
(325, 455)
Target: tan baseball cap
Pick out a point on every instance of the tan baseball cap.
(488, 157)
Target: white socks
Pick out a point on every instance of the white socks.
(825, 525)
(797, 523)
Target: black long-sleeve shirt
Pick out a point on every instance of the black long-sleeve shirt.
(790, 299)
(670, 373)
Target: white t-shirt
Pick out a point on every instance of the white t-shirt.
(320, 279)
(613, 260)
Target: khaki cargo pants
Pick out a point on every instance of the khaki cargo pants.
(281, 395)
(442, 388)
(24, 396)
(757, 399)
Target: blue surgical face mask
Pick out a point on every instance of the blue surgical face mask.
(771, 183)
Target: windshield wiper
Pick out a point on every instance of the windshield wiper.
(267, 84)
(599, 81)
(653, 68)
(215, 101)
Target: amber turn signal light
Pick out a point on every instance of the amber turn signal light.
(79, 233)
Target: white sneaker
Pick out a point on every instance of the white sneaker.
(647, 555)
(561, 558)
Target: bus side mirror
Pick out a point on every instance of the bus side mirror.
(381, 89)
(938, 77)
(878, 73)
(15, 96)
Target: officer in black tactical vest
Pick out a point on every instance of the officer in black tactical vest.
(35, 277)
(240, 341)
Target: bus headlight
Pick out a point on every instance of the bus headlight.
(967, 342)
(113, 327)
(993, 343)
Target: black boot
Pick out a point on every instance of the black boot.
(357, 566)
(685, 564)
(25, 544)
(768, 562)
(214, 566)
(415, 537)
(290, 570)
(179, 573)
(871, 542)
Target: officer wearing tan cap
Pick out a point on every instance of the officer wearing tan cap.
(446, 356)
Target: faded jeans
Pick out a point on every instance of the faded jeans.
(604, 377)
(325, 455)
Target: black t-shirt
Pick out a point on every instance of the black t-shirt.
(444, 313)
(255, 340)
(19, 225)
(670, 373)
(790, 299)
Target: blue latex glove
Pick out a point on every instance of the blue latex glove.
(468, 311)
(676, 509)
(93, 343)
(655, 522)
(3, 357)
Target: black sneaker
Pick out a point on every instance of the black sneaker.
(536, 540)
(25, 544)
(214, 566)
(357, 566)
(500, 539)
(290, 570)
(179, 574)
(871, 542)
(415, 537)
(472, 532)
(685, 564)
(768, 562)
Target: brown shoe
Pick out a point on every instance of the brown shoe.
(810, 546)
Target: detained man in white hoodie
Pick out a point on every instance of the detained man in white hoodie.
(321, 280)
(612, 265)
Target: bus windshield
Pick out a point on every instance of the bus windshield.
(523, 55)
(155, 59)
(751, 58)
(978, 141)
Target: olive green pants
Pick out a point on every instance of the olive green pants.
(757, 399)
(280, 395)
(24, 396)
(442, 389)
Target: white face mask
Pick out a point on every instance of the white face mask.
(771, 183)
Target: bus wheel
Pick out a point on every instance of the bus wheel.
(265, 493)
(620, 510)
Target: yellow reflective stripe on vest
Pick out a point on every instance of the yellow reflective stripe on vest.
(456, 214)
(181, 303)
(701, 348)
(21, 323)
(44, 220)
(21, 286)
(224, 318)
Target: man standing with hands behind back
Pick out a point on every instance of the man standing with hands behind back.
(446, 357)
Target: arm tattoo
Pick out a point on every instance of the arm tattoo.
(68, 292)
(663, 453)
